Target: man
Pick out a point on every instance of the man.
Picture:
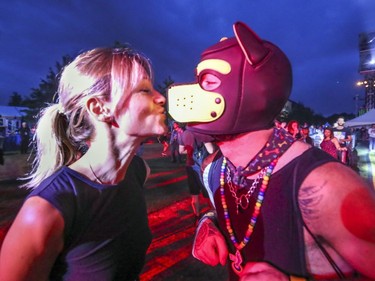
(283, 209)
(278, 124)
(371, 137)
(2, 140)
(175, 142)
(305, 134)
(344, 137)
(25, 134)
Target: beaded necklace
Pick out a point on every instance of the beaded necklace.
(237, 258)
(264, 161)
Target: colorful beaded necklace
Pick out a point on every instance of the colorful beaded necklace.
(237, 258)
(265, 160)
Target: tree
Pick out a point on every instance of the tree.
(45, 93)
(333, 118)
(163, 88)
(302, 114)
(15, 99)
(305, 114)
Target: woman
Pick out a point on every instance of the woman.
(84, 219)
(293, 129)
(330, 144)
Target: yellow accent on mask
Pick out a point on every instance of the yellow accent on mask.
(190, 103)
(220, 66)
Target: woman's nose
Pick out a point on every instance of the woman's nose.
(159, 98)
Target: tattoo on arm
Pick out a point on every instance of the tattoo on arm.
(309, 198)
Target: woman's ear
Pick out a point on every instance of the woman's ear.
(98, 110)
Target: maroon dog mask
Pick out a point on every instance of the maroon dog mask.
(242, 84)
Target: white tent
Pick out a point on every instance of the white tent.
(366, 119)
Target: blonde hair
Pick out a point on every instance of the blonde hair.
(64, 129)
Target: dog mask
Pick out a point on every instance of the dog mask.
(242, 84)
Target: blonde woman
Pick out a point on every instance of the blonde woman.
(85, 218)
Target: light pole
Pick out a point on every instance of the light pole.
(369, 84)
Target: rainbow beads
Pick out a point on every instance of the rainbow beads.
(257, 206)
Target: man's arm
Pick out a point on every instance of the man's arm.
(338, 206)
(209, 244)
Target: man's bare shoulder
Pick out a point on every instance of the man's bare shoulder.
(332, 182)
(297, 149)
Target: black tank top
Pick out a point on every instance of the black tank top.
(106, 232)
(278, 234)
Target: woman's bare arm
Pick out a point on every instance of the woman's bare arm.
(33, 242)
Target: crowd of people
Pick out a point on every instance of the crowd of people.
(282, 208)
(336, 139)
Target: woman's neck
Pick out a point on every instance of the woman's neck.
(107, 159)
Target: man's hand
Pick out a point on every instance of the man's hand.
(209, 244)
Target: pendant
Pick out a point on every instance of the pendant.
(244, 201)
(236, 262)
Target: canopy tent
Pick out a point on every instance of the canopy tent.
(366, 119)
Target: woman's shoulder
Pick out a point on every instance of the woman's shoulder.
(64, 184)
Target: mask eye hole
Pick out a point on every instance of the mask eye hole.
(209, 82)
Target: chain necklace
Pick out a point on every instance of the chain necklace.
(97, 179)
(237, 257)
(277, 144)
(243, 200)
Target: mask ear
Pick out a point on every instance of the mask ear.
(251, 45)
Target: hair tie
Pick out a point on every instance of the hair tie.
(60, 110)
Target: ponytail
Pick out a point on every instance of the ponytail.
(53, 147)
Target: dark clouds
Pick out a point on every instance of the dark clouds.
(320, 37)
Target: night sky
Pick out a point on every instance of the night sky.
(320, 38)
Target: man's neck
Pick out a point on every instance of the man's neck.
(244, 147)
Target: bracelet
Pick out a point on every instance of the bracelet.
(210, 215)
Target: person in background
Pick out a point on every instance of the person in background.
(330, 144)
(283, 209)
(278, 124)
(305, 135)
(2, 140)
(188, 146)
(25, 134)
(86, 217)
(371, 137)
(363, 134)
(163, 139)
(343, 135)
(341, 132)
(175, 141)
(293, 129)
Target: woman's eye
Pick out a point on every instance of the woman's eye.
(146, 91)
